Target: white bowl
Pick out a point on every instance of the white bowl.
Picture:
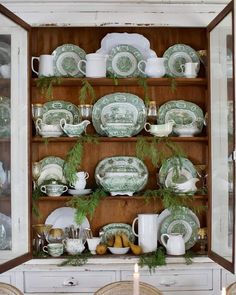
(115, 250)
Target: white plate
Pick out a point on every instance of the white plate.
(79, 192)
(64, 217)
(5, 232)
(137, 40)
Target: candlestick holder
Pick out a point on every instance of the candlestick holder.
(202, 240)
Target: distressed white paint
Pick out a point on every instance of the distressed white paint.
(193, 13)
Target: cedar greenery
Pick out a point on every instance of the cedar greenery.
(86, 91)
(142, 82)
(76, 260)
(153, 259)
(46, 85)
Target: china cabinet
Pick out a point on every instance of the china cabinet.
(213, 150)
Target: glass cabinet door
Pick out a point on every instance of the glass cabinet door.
(222, 139)
(14, 174)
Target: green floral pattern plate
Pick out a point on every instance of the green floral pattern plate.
(5, 116)
(119, 107)
(183, 113)
(178, 55)
(182, 221)
(123, 61)
(112, 229)
(66, 58)
(183, 167)
(54, 111)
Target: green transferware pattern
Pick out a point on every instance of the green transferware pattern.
(123, 61)
(66, 58)
(122, 102)
(178, 163)
(51, 160)
(5, 116)
(112, 229)
(184, 113)
(178, 55)
(54, 111)
(181, 222)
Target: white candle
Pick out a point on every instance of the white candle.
(223, 291)
(136, 280)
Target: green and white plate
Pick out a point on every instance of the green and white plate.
(119, 107)
(183, 113)
(178, 55)
(66, 58)
(183, 168)
(109, 230)
(182, 221)
(5, 116)
(51, 168)
(54, 111)
(123, 61)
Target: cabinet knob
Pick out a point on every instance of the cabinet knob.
(168, 284)
(70, 282)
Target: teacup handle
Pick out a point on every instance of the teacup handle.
(65, 188)
(147, 127)
(32, 64)
(163, 236)
(80, 64)
(139, 66)
(135, 219)
(44, 249)
(43, 189)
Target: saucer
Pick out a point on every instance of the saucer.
(79, 192)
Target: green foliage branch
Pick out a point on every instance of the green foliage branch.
(86, 91)
(45, 84)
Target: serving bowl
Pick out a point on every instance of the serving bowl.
(115, 250)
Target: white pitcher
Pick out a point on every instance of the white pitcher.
(154, 67)
(175, 243)
(95, 65)
(147, 231)
(45, 65)
(80, 181)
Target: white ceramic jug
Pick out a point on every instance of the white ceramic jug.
(45, 65)
(154, 67)
(189, 69)
(175, 243)
(80, 181)
(95, 65)
(147, 231)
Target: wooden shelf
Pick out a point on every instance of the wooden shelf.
(120, 139)
(5, 139)
(5, 83)
(128, 81)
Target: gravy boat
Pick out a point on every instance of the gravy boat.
(74, 130)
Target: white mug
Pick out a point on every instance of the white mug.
(95, 65)
(74, 246)
(80, 180)
(189, 69)
(5, 71)
(45, 65)
(147, 231)
(154, 67)
(175, 244)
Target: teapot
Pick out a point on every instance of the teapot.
(74, 130)
(154, 67)
(175, 244)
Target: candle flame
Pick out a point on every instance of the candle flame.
(223, 291)
(136, 268)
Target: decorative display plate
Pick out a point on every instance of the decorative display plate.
(183, 221)
(5, 232)
(121, 175)
(64, 217)
(5, 116)
(66, 58)
(112, 229)
(51, 168)
(178, 55)
(54, 111)
(184, 170)
(184, 113)
(79, 192)
(138, 41)
(123, 61)
(5, 53)
(119, 107)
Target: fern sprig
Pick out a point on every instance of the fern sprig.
(87, 91)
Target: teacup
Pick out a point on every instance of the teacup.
(92, 244)
(74, 246)
(46, 130)
(54, 249)
(54, 189)
(80, 180)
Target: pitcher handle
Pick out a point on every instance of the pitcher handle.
(182, 68)
(79, 66)
(139, 66)
(32, 64)
(86, 175)
(135, 219)
(163, 239)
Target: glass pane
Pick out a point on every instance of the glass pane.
(13, 141)
(222, 138)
